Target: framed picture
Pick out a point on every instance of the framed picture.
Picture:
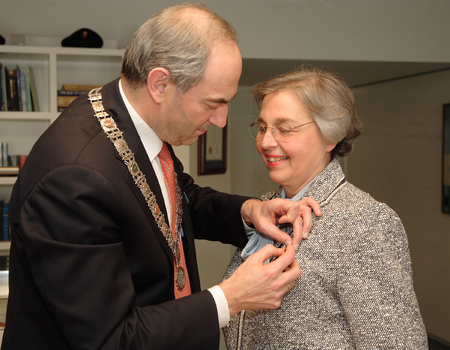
(212, 151)
(446, 161)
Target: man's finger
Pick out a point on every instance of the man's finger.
(313, 204)
(286, 262)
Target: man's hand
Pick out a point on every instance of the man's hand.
(257, 286)
(266, 215)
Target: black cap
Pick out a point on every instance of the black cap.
(83, 37)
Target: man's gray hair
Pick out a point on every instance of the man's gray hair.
(179, 39)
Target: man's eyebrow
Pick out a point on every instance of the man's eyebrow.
(221, 100)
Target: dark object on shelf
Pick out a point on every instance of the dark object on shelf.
(2, 40)
(83, 37)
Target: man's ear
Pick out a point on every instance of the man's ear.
(157, 82)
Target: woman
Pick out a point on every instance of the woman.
(356, 289)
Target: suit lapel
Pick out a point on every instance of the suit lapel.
(115, 107)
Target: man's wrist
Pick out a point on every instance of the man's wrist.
(246, 210)
(223, 311)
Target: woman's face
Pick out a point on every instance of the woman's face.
(295, 162)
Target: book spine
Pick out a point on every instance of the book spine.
(4, 156)
(12, 90)
(23, 158)
(28, 92)
(1, 216)
(23, 90)
(71, 92)
(5, 224)
(34, 97)
(4, 263)
(5, 98)
(2, 89)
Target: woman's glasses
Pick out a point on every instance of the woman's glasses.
(281, 131)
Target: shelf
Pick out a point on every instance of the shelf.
(52, 67)
(16, 116)
(4, 247)
(60, 50)
(7, 180)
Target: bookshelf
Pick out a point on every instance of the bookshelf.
(52, 67)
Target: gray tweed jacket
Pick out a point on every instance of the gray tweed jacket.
(356, 289)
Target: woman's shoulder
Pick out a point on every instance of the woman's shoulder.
(359, 206)
(270, 195)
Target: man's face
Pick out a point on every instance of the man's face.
(189, 115)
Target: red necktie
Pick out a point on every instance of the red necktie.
(169, 175)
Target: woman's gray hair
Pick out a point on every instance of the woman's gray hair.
(180, 39)
(329, 100)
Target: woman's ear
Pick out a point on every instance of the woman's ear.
(331, 147)
(157, 82)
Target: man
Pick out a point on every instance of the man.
(94, 264)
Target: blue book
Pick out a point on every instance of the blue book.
(5, 224)
(3, 101)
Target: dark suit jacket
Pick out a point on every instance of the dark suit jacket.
(89, 268)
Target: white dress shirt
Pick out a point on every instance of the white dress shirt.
(153, 145)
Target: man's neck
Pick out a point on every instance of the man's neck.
(139, 99)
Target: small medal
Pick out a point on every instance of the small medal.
(181, 278)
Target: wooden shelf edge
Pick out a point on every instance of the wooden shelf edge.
(7, 180)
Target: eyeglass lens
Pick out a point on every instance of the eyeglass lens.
(279, 130)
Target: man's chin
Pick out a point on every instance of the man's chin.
(190, 141)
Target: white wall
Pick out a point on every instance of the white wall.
(374, 30)
(398, 160)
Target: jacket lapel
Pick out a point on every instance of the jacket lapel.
(115, 107)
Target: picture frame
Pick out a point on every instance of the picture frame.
(212, 151)
(446, 160)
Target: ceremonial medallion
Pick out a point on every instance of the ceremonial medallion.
(181, 278)
(116, 137)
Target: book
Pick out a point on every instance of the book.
(1, 217)
(79, 87)
(12, 90)
(28, 92)
(4, 263)
(4, 154)
(65, 101)
(33, 92)
(23, 89)
(9, 170)
(17, 160)
(70, 92)
(5, 223)
(3, 105)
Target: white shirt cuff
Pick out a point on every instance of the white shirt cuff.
(222, 305)
(248, 230)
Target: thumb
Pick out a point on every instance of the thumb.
(267, 252)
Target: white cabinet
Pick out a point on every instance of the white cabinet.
(52, 67)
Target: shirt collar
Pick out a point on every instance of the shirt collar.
(152, 143)
(299, 194)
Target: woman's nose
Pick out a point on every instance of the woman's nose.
(268, 140)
